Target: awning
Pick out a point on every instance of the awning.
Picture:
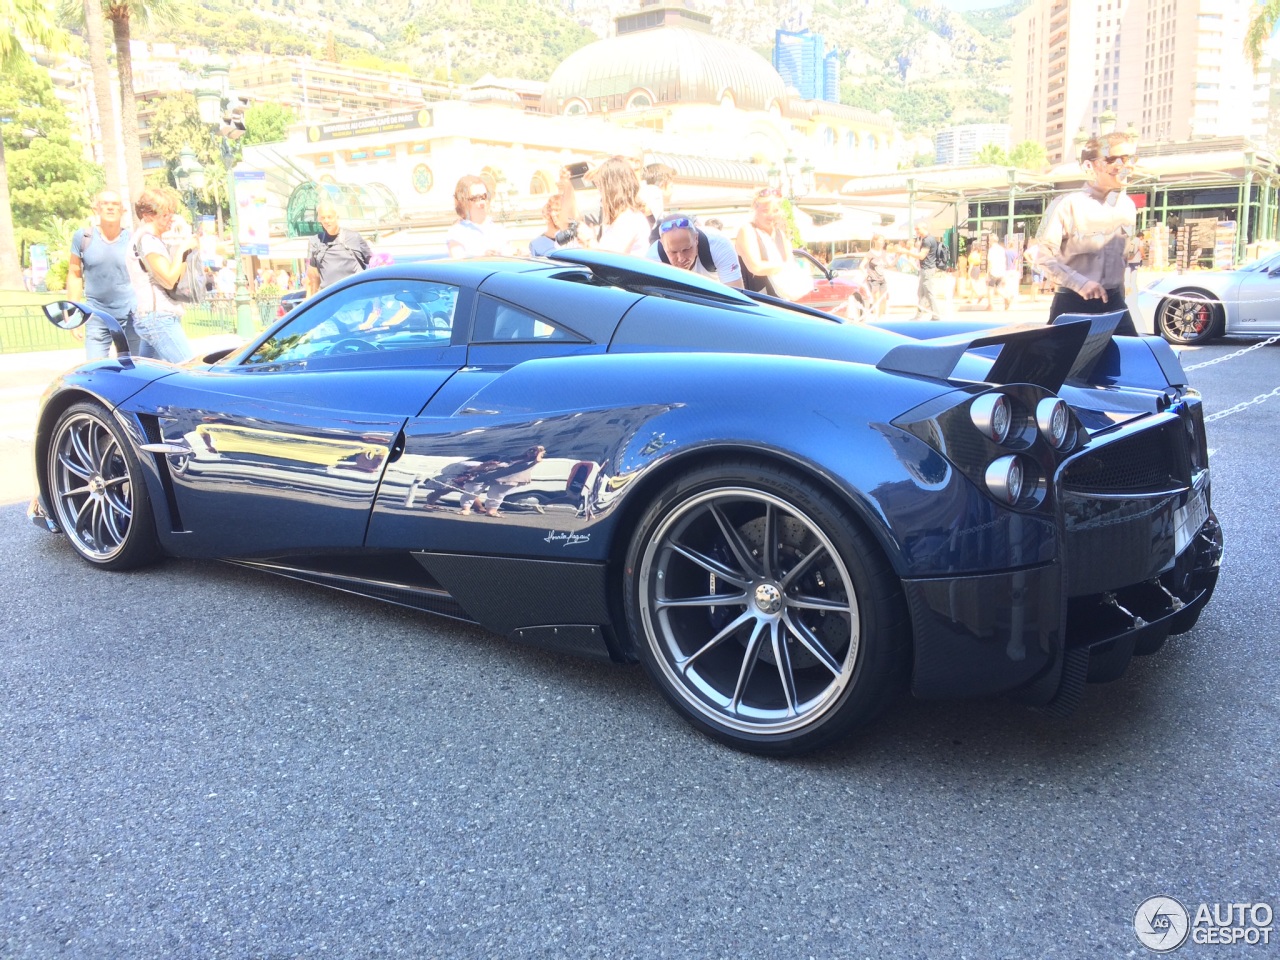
(852, 225)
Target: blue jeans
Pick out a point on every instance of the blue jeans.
(98, 343)
(163, 333)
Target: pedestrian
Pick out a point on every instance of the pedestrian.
(1031, 256)
(475, 233)
(98, 271)
(158, 317)
(762, 243)
(1136, 254)
(655, 194)
(682, 245)
(1012, 272)
(624, 228)
(925, 254)
(557, 233)
(964, 290)
(1085, 234)
(335, 252)
(877, 264)
(997, 267)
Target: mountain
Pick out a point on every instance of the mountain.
(930, 65)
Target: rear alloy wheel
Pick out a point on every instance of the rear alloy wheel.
(1190, 317)
(96, 490)
(763, 613)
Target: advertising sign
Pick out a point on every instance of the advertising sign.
(252, 212)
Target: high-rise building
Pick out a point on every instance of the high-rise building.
(1171, 69)
(801, 59)
(959, 145)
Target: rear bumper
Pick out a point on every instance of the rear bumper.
(1019, 632)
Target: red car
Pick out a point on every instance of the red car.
(845, 296)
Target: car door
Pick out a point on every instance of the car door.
(457, 452)
(1258, 297)
(284, 448)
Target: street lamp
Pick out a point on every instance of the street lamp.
(223, 111)
(794, 179)
(189, 175)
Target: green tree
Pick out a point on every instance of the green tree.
(33, 20)
(175, 125)
(1261, 27)
(993, 154)
(1029, 155)
(123, 14)
(266, 123)
(46, 173)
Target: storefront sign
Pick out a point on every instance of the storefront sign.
(387, 123)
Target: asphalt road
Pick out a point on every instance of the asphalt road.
(201, 762)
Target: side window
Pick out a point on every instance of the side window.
(378, 315)
(500, 322)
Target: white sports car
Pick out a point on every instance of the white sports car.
(1195, 307)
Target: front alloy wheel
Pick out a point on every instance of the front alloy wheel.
(96, 491)
(756, 615)
(1189, 317)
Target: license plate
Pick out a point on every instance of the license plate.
(1188, 519)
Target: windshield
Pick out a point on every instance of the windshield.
(1263, 264)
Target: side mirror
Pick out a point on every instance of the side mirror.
(68, 315)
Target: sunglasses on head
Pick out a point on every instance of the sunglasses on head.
(478, 196)
(675, 223)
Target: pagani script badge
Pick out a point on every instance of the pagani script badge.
(566, 539)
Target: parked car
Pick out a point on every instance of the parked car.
(1195, 307)
(785, 518)
(846, 297)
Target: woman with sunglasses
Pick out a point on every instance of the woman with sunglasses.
(1084, 235)
(475, 234)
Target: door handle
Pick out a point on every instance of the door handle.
(168, 449)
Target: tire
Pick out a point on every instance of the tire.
(1188, 317)
(96, 490)
(802, 643)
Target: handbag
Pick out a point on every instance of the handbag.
(190, 287)
(792, 282)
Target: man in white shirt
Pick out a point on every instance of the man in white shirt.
(681, 244)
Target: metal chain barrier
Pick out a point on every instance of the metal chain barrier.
(1232, 356)
(1245, 405)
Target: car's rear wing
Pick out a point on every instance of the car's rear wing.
(1042, 355)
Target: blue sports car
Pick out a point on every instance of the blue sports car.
(787, 519)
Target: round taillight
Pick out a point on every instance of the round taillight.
(1053, 421)
(992, 414)
(1004, 479)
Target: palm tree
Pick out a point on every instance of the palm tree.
(1261, 27)
(33, 20)
(92, 11)
(122, 13)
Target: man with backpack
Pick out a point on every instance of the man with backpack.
(98, 274)
(925, 253)
(681, 244)
(335, 252)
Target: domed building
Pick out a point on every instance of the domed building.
(663, 56)
(730, 111)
